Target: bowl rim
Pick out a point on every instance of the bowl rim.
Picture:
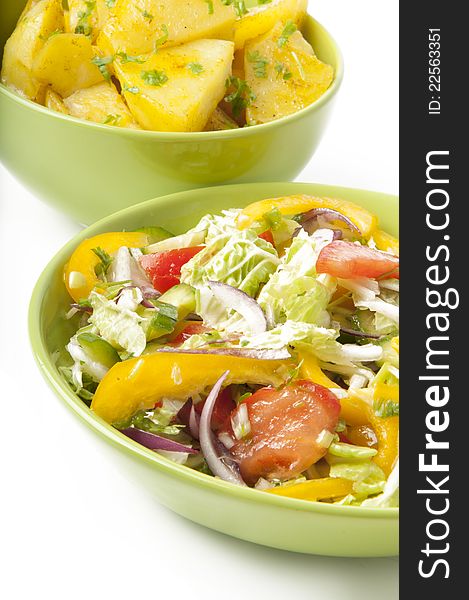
(117, 439)
(175, 136)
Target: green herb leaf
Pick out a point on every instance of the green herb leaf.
(209, 6)
(288, 30)
(110, 3)
(259, 64)
(162, 39)
(146, 15)
(105, 262)
(132, 90)
(112, 120)
(101, 62)
(241, 97)
(282, 71)
(238, 5)
(154, 77)
(126, 58)
(195, 68)
(83, 24)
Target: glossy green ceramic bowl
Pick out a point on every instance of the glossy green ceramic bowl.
(89, 170)
(245, 513)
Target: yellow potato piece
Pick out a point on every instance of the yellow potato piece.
(261, 19)
(82, 17)
(65, 63)
(142, 25)
(177, 89)
(54, 102)
(100, 103)
(290, 80)
(33, 29)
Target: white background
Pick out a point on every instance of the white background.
(71, 525)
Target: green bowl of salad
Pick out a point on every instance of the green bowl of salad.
(239, 347)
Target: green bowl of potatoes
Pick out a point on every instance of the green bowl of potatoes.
(106, 103)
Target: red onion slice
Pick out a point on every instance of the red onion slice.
(221, 466)
(194, 420)
(242, 303)
(255, 353)
(318, 218)
(156, 442)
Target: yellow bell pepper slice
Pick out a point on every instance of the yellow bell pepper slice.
(386, 391)
(293, 205)
(395, 343)
(316, 489)
(140, 383)
(386, 242)
(354, 410)
(311, 370)
(79, 275)
(387, 432)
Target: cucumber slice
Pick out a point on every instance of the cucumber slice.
(182, 296)
(155, 234)
(98, 349)
(163, 321)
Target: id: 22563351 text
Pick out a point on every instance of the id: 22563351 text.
(434, 71)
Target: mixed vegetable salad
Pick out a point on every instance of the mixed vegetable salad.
(260, 347)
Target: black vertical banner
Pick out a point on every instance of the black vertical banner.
(435, 268)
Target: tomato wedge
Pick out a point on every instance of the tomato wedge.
(164, 268)
(285, 425)
(352, 261)
(268, 236)
(187, 331)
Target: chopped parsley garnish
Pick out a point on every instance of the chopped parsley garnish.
(146, 15)
(195, 68)
(110, 3)
(288, 30)
(264, 1)
(101, 62)
(132, 89)
(238, 5)
(244, 397)
(126, 58)
(241, 97)
(209, 6)
(105, 262)
(162, 39)
(259, 64)
(154, 77)
(83, 24)
(282, 71)
(112, 120)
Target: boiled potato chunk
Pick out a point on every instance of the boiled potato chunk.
(65, 63)
(32, 30)
(141, 26)
(262, 18)
(177, 89)
(54, 102)
(220, 121)
(283, 76)
(100, 103)
(82, 17)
